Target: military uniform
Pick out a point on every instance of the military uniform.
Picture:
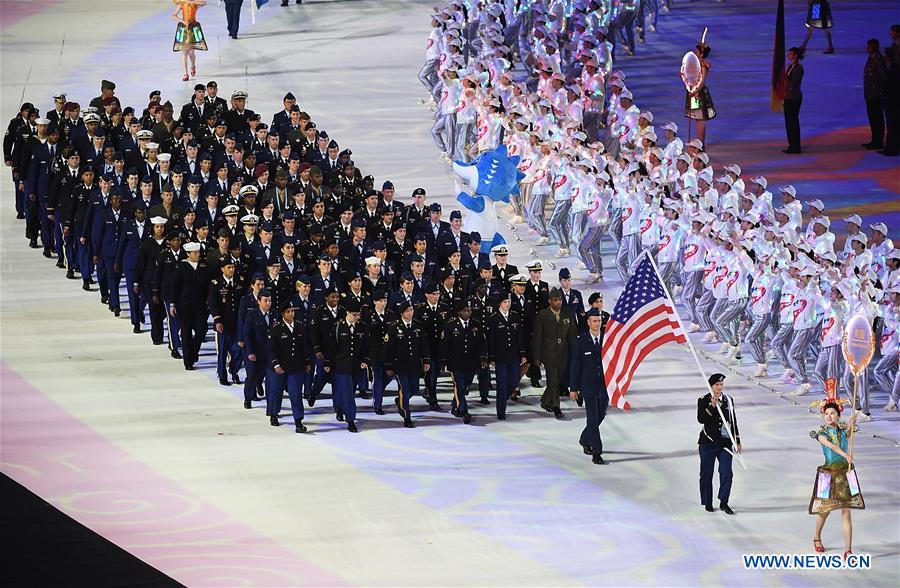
(714, 444)
(551, 339)
(224, 303)
(432, 320)
(406, 354)
(348, 352)
(190, 290)
(586, 378)
(463, 349)
(506, 350)
(291, 352)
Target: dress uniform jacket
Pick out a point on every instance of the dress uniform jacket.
(237, 121)
(504, 274)
(224, 302)
(586, 368)
(552, 339)
(164, 273)
(505, 340)
(432, 321)
(712, 423)
(255, 335)
(290, 348)
(190, 289)
(323, 323)
(406, 349)
(377, 326)
(347, 350)
(463, 347)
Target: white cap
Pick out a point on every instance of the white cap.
(761, 181)
(670, 127)
(823, 220)
(696, 143)
(373, 260)
(686, 157)
(647, 115)
(152, 145)
(861, 237)
(248, 189)
(855, 219)
(617, 82)
(626, 94)
(829, 254)
(164, 156)
(725, 180)
(703, 157)
(231, 209)
(816, 203)
(880, 227)
(788, 189)
(894, 254)
(249, 219)
(733, 168)
(534, 265)
(144, 134)
(42, 121)
(191, 246)
(158, 220)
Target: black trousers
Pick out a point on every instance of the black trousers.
(875, 111)
(233, 15)
(892, 118)
(792, 122)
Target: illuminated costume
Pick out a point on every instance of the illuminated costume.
(836, 486)
(818, 15)
(190, 35)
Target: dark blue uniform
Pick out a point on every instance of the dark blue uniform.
(127, 260)
(255, 335)
(586, 377)
(506, 349)
(106, 235)
(406, 355)
(224, 303)
(463, 349)
(289, 349)
(347, 352)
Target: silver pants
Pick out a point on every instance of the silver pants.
(518, 200)
(615, 227)
(797, 353)
(728, 320)
(667, 273)
(702, 310)
(776, 303)
(691, 292)
(536, 214)
(465, 132)
(590, 251)
(862, 389)
(829, 364)
(895, 392)
(629, 249)
(559, 223)
(428, 74)
(781, 342)
(756, 336)
(885, 371)
(578, 222)
(591, 124)
(444, 132)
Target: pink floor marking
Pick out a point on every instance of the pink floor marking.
(100, 485)
(12, 11)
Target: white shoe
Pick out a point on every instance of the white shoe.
(580, 265)
(725, 349)
(802, 389)
(442, 158)
(420, 100)
(693, 328)
(891, 406)
(861, 416)
(787, 377)
(762, 370)
(677, 290)
(517, 220)
(542, 241)
(709, 337)
(592, 279)
(563, 252)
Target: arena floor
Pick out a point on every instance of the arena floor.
(167, 465)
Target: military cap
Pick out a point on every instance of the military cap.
(419, 192)
(455, 214)
(565, 274)
(594, 312)
(554, 293)
(499, 250)
(249, 219)
(226, 261)
(378, 245)
(520, 279)
(379, 295)
(435, 207)
(192, 246)
(534, 265)
(387, 186)
(239, 94)
(302, 279)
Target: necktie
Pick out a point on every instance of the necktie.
(351, 329)
(597, 342)
(267, 251)
(52, 150)
(266, 317)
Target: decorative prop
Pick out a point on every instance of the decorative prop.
(858, 347)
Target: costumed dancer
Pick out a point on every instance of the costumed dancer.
(444, 130)
(804, 310)
(736, 285)
(693, 259)
(632, 204)
(597, 218)
(830, 358)
(563, 184)
(540, 190)
(862, 303)
(781, 341)
(836, 485)
(761, 294)
(671, 236)
(189, 36)
(466, 117)
(698, 104)
(433, 49)
(886, 372)
(818, 16)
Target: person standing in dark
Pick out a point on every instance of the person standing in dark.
(892, 102)
(793, 98)
(233, 14)
(874, 75)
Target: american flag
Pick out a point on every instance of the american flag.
(641, 321)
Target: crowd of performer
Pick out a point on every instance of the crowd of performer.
(747, 271)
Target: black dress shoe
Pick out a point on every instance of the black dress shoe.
(47, 253)
(158, 342)
(557, 413)
(86, 287)
(408, 424)
(20, 215)
(117, 311)
(311, 401)
(725, 508)
(709, 508)
(586, 449)
(435, 407)
(189, 367)
(339, 414)
(501, 418)
(791, 151)
(104, 299)
(70, 275)
(455, 412)
(32, 243)
(363, 394)
(247, 404)
(60, 264)
(873, 146)
(224, 382)
(467, 418)
(299, 427)
(273, 420)
(175, 354)
(545, 407)
(235, 378)
(579, 400)
(598, 459)
(890, 153)
(351, 426)
(485, 401)
(379, 411)
(136, 329)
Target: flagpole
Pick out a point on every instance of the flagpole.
(690, 345)
(252, 11)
